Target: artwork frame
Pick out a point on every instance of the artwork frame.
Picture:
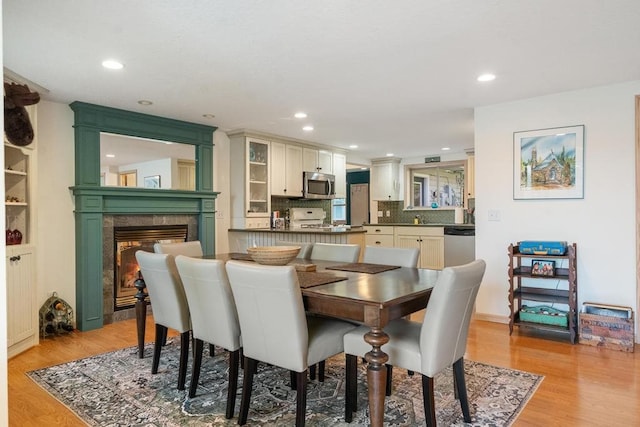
(543, 267)
(152, 181)
(549, 163)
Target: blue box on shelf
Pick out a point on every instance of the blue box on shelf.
(544, 247)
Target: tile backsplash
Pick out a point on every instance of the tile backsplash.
(397, 214)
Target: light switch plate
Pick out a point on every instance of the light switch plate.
(379, 214)
(494, 215)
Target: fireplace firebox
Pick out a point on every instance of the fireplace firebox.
(127, 241)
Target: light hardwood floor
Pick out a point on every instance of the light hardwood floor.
(583, 386)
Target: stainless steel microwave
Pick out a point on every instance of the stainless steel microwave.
(318, 185)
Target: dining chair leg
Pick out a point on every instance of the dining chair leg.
(234, 361)
(165, 333)
(350, 386)
(429, 401)
(157, 347)
(321, 366)
(247, 385)
(312, 372)
(387, 388)
(184, 358)
(198, 347)
(301, 396)
(461, 387)
(212, 350)
(294, 381)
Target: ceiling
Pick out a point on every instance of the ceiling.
(390, 77)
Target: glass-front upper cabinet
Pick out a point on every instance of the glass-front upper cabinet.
(258, 179)
(441, 185)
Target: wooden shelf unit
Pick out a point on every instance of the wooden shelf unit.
(525, 290)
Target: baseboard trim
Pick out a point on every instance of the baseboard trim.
(491, 318)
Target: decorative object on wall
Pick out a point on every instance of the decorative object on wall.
(152, 181)
(549, 163)
(17, 125)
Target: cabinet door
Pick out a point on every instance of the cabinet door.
(432, 252)
(294, 170)
(309, 160)
(340, 172)
(470, 177)
(21, 305)
(278, 169)
(186, 175)
(325, 161)
(384, 181)
(258, 192)
(408, 241)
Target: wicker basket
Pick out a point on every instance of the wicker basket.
(273, 255)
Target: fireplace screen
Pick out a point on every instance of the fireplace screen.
(129, 240)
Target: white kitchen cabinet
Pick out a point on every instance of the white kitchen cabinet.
(286, 169)
(249, 174)
(379, 235)
(340, 172)
(469, 174)
(317, 160)
(385, 179)
(430, 241)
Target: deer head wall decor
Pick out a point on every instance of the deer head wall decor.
(17, 126)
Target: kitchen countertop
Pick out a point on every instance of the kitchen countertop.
(429, 224)
(352, 230)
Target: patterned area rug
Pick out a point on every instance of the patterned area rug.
(118, 389)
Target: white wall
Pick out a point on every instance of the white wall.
(162, 167)
(602, 224)
(55, 236)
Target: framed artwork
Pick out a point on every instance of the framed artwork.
(152, 181)
(549, 163)
(542, 267)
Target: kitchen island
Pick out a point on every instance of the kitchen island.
(242, 238)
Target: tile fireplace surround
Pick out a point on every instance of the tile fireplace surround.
(108, 246)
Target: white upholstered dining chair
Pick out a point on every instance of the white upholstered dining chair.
(191, 248)
(305, 248)
(276, 330)
(169, 306)
(402, 257)
(436, 343)
(214, 318)
(346, 253)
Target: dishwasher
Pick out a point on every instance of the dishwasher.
(459, 245)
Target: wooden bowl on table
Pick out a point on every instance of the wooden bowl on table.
(273, 255)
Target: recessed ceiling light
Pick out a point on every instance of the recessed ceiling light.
(145, 102)
(446, 148)
(112, 64)
(354, 146)
(208, 116)
(486, 77)
(389, 154)
(300, 115)
(110, 155)
(308, 128)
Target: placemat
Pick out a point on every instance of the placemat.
(308, 279)
(238, 256)
(363, 267)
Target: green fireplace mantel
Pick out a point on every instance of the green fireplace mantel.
(92, 201)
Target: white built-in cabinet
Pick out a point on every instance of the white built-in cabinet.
(186, 174)
(249, 174)
(340, 172)
(430, 241)
(315, 160)
(469, 175)
(385, 179)
(286, 170)
(22, 306)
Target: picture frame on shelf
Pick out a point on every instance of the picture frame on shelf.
(549, 163)
(543, 267)
(152, 181)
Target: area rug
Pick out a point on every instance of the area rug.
(118, 389)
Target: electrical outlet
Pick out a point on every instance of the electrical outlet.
(379, 214)
(219, 215)
(388, 213)
(494, 215)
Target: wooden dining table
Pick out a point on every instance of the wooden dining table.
(373, 299)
